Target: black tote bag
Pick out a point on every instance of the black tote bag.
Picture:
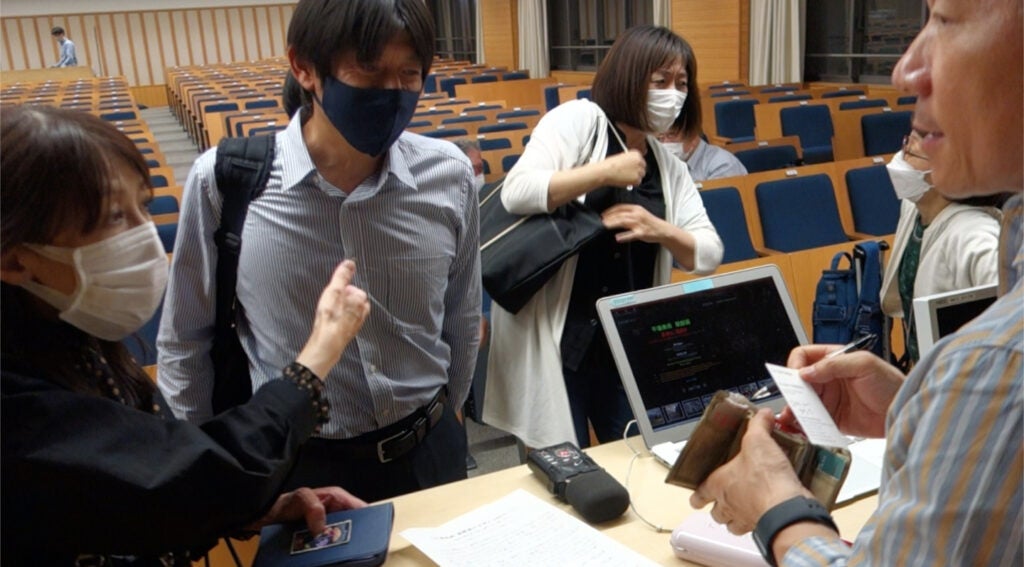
(520, 253)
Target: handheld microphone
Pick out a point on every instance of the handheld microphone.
(574, 477)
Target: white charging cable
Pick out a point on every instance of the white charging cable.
(629, 469)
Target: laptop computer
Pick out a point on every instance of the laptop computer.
(941, 314)
(678, 344)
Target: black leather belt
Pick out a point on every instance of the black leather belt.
(395, 440)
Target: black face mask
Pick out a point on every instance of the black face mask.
(369, 119)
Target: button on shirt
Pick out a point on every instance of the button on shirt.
(413, 232)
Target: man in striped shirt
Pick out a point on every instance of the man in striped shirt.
(67, 48)
(347, 182)
(951, 491)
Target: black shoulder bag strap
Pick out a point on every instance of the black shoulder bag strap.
(242, 169)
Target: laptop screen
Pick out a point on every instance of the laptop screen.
(936, 316)
(685, 348)
(676, 345)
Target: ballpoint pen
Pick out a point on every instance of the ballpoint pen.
(862, 342)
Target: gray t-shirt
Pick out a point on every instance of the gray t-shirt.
(712, 162)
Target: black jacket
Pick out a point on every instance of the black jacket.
(85, 474)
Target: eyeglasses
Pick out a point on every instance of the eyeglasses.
(907, 152)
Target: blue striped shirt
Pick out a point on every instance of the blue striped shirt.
(67, 54)
(412, 229)
(951, 490)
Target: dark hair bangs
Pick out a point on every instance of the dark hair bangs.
(321, 31)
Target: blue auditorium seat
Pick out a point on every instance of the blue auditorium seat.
(883, 132)
(813, 124)
(168, 232)
(842, 92)
(720, 93)
(463, 119)
(864, 103)
(502, 127)
(725, 209)
(789, 97)
(734, 119)
(767, 158)
(446, 133)
(517, 114)
(430, 85)
(163, 204)
(119, 115)
(262, 103)
(551, 99)
(873, 202)
(447, 84)
(798, 213)
(508, 162)
(494, 143)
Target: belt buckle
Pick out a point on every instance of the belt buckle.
(380, 446)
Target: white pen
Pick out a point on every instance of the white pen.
(860, 343)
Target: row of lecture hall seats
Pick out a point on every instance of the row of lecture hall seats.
(445, 79)
(831, 123)
(106, 97)
(217, 101)
(798, 218)
(199, 95)
(214, 101)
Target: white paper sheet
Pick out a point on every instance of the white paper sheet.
(520, 529)
(814, 419)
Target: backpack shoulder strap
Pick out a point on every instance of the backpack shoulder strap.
(870, 283)
(242, 170)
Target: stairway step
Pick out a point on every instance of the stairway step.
(176, 145)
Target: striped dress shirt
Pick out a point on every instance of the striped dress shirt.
(412, 229)
(951, 490)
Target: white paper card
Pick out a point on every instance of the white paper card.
(521, 529)
(807, 407)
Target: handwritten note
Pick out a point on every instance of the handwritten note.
(807, 407)
(520, 529)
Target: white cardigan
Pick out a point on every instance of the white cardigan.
(959, 249)
(525, 392)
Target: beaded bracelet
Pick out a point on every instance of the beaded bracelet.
(306, 380)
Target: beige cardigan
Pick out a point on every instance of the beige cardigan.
(959, 249)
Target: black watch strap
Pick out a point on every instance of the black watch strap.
(785, 514)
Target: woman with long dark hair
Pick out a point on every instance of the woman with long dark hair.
(550, 370)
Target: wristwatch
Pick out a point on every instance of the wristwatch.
(785, 514)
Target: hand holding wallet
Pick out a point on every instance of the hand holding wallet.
(717, 439)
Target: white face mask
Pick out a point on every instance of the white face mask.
(676, 149)
(909, 183)
(479, 181)
(663, 106)
(121, 281)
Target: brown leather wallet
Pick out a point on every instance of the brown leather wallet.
(717, 437)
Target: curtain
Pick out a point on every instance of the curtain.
(479, 24)
(776, 41)
(533, 38)
(663, 13)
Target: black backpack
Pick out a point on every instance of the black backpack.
(242, 170)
